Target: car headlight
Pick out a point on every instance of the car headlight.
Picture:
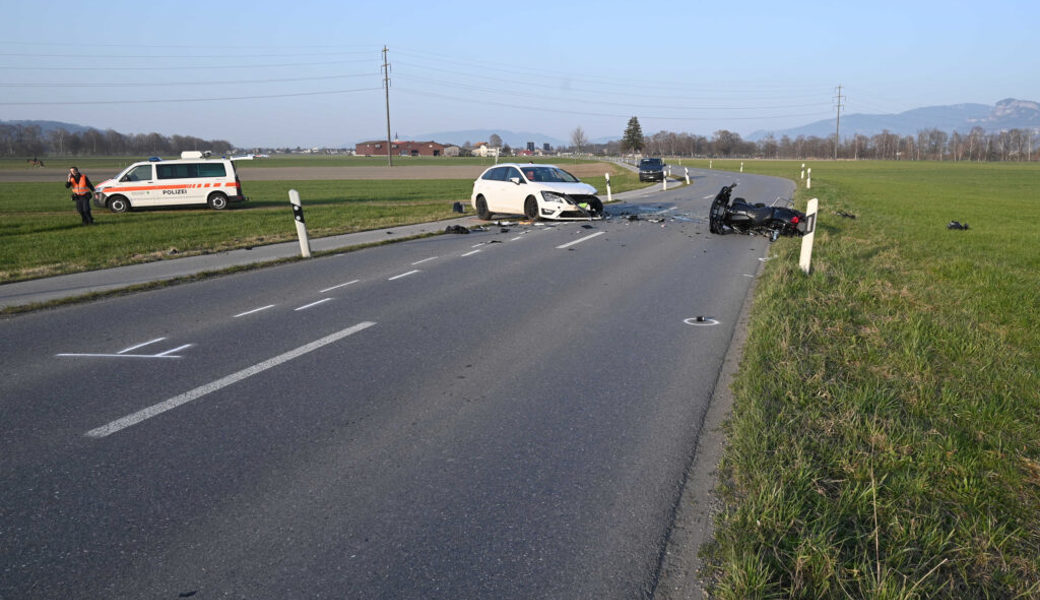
(556, 198)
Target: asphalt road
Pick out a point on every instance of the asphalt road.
(505, 414)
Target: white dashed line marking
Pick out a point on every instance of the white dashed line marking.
(255, 310)
(412, 272)
(419, 262)
(306, 306)
(580, 240)
(471, 253)
(336, 287)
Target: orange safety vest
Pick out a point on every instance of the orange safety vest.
(79, 188)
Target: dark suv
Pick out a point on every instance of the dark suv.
(651, 169)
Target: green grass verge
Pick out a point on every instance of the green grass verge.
(41, 235)
(885, 435)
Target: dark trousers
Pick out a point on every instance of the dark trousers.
(83, 208)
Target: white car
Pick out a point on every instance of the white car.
(535, 191)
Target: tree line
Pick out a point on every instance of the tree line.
(30, 140)
(928, 144)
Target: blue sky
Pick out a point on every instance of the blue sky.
(309, 73)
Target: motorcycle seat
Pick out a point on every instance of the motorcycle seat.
(755, 214)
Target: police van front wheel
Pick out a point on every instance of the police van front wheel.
(118, 204)
(217, 201)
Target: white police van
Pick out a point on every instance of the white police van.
(188, 181)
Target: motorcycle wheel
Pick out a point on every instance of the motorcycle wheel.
(717, 215)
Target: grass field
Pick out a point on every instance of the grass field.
(885, 436)
(41, 235)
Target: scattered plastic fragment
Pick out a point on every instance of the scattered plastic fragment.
(455, 229)
(842, 213)
(457, 207)
(956, 225)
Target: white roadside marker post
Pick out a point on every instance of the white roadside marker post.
(741, 166)
(803, 171)
(810, 234)
(808, 180)
(301, 227)
(687, 175)
(609, 197)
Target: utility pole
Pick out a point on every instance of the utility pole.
(386, 88)
(837, 123)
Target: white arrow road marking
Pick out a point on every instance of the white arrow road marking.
(148, 343)
(195, 394)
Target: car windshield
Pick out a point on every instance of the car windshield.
(650, 162)
(548, 174)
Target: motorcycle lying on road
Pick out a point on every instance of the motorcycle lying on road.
(738, 215)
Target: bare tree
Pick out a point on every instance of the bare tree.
(578, 139)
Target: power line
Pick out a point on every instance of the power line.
(164, 100)
(90, 84)
(184, 68)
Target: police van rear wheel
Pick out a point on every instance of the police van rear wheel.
(118, 204)
(217, 201)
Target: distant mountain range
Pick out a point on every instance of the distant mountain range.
(47, 126)
(1006, 114)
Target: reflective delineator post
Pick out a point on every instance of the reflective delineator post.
(664, 182)
(803, 171)
(609, 197)
(687, 175)
(810, 234)
(808, 181)
(741, 166)
(301, 227)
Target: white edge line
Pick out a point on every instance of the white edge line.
(471, 253)
(580, 240)
(255, 310)
(336, 287)
(412, 272)
(124, 350)
(195, 394)
(306, 306)
(419, 262)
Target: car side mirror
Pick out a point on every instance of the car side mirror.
(516, 180)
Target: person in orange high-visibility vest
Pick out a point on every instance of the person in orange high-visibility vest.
(82, 192)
